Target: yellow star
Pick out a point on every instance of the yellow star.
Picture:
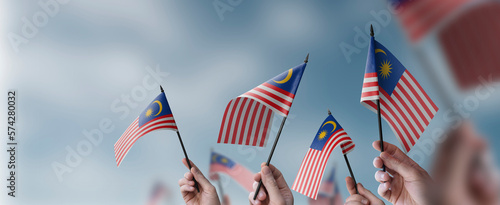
(385, 69)
(149, 112)
(224, 160)
(322, 135)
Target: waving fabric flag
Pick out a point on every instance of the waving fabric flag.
(156, 116)
(418, 18)
(329, 136)
(248, 118)
(328, 193)
(403, 102)
(222, 164)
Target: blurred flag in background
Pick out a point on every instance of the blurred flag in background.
(328, 192)
(222, 164)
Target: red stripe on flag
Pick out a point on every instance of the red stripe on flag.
(231, 116)
(284, 92)
(272, 104)
(242, 104)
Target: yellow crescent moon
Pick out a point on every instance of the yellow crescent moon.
(290, 72)
(380, 51)
(159, 104)
(330, 122)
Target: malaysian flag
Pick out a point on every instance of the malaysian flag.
(403, 102)
(419, 17)
(248, 118)
(222, 164)
(467, 30)
(328, 193)
(156, 116)
(329, 136)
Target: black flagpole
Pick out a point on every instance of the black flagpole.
(350, 171)
(275, 143)
(348, 164)
(381, 136)
(185, 153)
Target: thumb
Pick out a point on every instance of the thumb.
(196, 173)
(403, 165)
(269, 182)
(200, 177)
(368, 194)
(351, 187)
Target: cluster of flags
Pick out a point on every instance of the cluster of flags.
(388, 89)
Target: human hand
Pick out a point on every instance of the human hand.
(207, 193)
(407, 182)
(364, 197)
(274, 189)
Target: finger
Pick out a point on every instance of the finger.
(356, 199)
(256, 177)
(278, 176)
(382, 177)
(384, 190)
(262, 192)
(270, 183)
(187, 189)
(397, 160)
(254, 202)
(189, 176)
(407, 168)
(184, 181)
(367, 193)
(379, 163)
(184, 161)
(349, 183)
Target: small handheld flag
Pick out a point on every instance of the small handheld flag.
(155, 117)
(222, 164)
(391, 91)
(329, 136)
(248, 118)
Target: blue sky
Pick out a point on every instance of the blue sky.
(90, 55)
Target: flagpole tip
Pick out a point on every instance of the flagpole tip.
(329, 113)
(307, 58)
(161, 89)
(371, 31)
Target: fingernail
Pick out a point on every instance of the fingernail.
(261, 194)
(386, 185)
(364, 201)
(266, 170)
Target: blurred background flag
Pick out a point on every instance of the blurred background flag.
(222, 164)
(329, 136)
(403, 102)
(328, 192)
(158, 194)
(247, 119)
(466, 29)
(155, 117)
(419, 17)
